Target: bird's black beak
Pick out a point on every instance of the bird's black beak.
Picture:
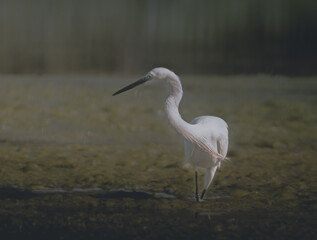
(133, 85)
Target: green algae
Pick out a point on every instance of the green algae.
(60, 133)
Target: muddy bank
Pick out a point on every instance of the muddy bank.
(77, 162)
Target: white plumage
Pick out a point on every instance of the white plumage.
(206, 137)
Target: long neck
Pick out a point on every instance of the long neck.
(171, 107)
(188, 131)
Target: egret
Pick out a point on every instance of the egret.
(205, 137)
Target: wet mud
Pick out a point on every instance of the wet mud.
(76, 162)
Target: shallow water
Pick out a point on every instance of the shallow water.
(77, 162)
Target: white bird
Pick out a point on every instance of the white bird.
(206, 137)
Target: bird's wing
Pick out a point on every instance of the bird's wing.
(204, 144)
(203, 141)
(208, 148)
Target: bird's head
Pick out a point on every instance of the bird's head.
(159, 73)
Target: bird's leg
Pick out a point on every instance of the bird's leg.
(210, 173)
(202, 194)
(196, 186)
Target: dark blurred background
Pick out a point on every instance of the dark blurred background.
(131, 36)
